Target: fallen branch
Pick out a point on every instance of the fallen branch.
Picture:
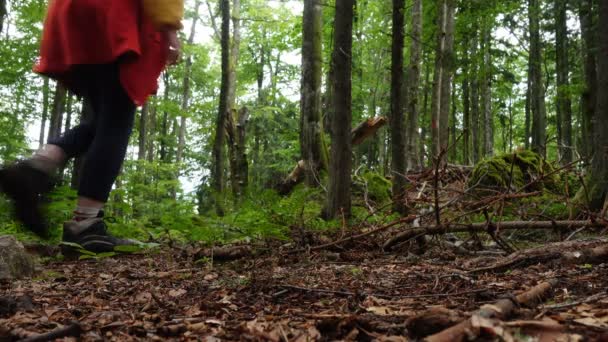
(404, 220)
(363, 131)
(501, 309)
(570, 252)
(482, 227)
(72, 330)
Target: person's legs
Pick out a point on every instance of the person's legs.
(115, 113)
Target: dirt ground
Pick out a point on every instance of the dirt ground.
(354, 295)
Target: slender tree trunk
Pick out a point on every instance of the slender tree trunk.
(466, 118)
(446, 80)
(453, 124)
(442, 12)
(68, 111)
(597, 185)
(218, 146)
(537, 88)
(311, 125)
(57, 112)
(45, 111)
(339, 196)
(527, 134)
(164, 129)
(589, 96)
(151, 133)
(425, 113)
(486, 90)
(564, 103)
(232, 112)
(181, 144)
(143, 119)
(474, 76)
(85, 115)
(413, 86)
(396, 118)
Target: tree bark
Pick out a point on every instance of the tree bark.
(537, 88)
(311, 124)
(564, 103)
(466, 118)
(413, 87)
(45, 111)
(68, 112)
(218, 146)
(398, 164)
(486, 89)
(339, 196)
(589, 96)
(181, 144)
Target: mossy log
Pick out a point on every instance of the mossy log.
(513, 172)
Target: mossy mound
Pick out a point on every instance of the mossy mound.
(377, 186)
(513, 171)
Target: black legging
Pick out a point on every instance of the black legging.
(104, 137)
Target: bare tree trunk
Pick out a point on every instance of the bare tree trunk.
(396, 118)
(311, 124)
(151, 133)
(474, 76)
(537, 88)
(218, 146)
(453, 123)
(164, 129)
(413, 87)
(527, 134)
(45, 111)
(564, 104)
(426, 113)
(339, 196)
(186, 88)
(466, 118)
(589, 96)
(57, 112)
(486, 89)
(446, 79)
(143, 118)
(442, 13)
(85, 115)
(597, 181)
(68, 111)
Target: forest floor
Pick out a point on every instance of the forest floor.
(356, 295)
(346, 285)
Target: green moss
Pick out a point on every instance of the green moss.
(513, 171)
(378, 187)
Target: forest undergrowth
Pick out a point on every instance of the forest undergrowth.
(505, 259)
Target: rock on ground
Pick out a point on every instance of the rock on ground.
(15, 262)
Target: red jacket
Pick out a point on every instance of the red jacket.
(99, 32)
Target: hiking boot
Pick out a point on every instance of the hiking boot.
(92, 235)
(25, 186)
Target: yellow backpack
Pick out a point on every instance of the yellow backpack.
(165, 14)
